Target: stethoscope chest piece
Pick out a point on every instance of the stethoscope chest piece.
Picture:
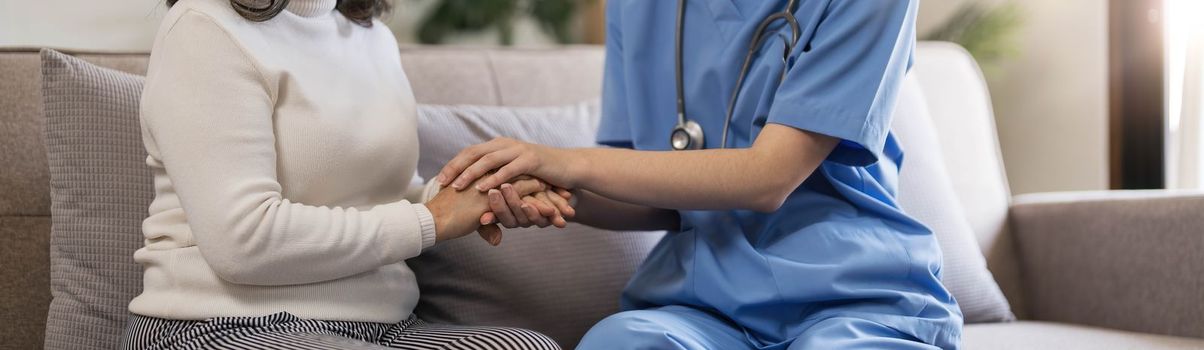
(687, 136)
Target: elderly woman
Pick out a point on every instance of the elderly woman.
(283, 143)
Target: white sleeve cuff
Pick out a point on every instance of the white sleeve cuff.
(429, 191)
(427, 223)
(407, 229)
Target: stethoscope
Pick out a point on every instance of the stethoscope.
(688, 135)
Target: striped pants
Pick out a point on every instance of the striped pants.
(285, 331)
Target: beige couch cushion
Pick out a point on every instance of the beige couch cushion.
(23, 181)
(1031, 335)
(1129, 260)
(24, 279)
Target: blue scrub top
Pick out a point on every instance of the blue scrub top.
(839, 246)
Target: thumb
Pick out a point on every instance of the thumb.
(491, 233)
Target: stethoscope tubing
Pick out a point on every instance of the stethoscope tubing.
(681, 95)
(756, 42)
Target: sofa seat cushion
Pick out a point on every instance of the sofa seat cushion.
(1036, 335)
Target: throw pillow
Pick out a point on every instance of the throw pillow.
(100, 188)
(926, 192)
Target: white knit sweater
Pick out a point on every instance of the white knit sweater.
(284, 155)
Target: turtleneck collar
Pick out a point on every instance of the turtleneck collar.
(311, 8)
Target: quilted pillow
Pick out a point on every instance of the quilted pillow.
(100, 188)
(557, 282)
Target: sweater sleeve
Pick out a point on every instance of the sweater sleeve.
(208, 113)
(420, 192)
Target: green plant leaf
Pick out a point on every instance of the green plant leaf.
(988, 33)
(555, 17)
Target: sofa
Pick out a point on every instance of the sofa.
(1099, 270)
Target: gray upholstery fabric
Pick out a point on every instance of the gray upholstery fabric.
(1132, 261)
(24, 204)
(925, 192)
(24, 280)
(23, 181)
(1030, 335)
(100, 189)
(552, 281)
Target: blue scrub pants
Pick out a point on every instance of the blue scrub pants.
(681, 327)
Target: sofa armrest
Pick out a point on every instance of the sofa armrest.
(1131, 260)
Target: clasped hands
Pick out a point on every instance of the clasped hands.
(502, 192)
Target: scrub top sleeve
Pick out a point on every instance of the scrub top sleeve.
(615, 127)
(844, 79)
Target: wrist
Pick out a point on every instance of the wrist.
(440, 217)
(577, 168)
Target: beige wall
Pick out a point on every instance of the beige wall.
(130, 25)
(1051, 102)
(115, 25)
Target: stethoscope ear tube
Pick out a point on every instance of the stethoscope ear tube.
(688, 134)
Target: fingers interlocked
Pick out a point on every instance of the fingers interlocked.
(528, 202)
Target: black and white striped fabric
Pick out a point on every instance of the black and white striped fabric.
(285, 331)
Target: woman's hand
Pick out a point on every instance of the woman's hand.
(511, 158)
(456, 214)
(453, 209)
(511, 208)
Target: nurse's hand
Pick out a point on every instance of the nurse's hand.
(510, 158)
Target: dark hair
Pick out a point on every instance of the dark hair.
(359, 11)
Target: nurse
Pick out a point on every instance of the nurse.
(785, 229)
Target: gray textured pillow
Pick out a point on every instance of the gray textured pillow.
(926, 192)
(558, 282)
(100, 188)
